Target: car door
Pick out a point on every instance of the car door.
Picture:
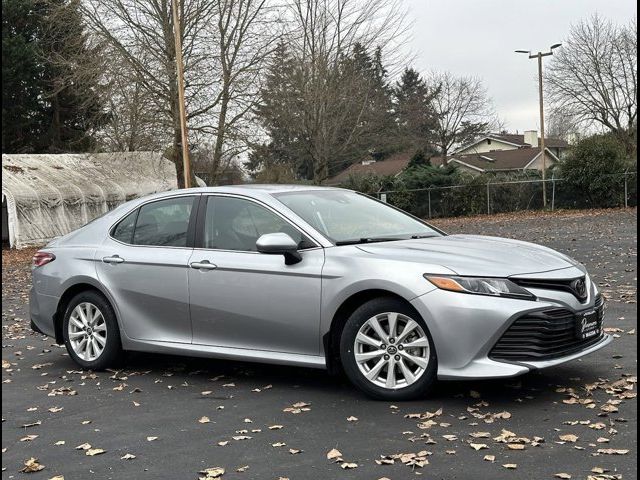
(144, 262)
(244, 299)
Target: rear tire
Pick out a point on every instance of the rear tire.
(387, 351)
(91, 332)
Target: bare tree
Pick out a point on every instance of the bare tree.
(593, 78)
(246, 38)
(141, 32)
(561, 124)
(332, 98)
(224, 43)
(463, 110)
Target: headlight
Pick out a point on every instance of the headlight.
(499, 287)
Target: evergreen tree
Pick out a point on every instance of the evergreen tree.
(378, 132)
(50, 95)
(419, 159)
(279, 114)
(415, 115)
(321, 117)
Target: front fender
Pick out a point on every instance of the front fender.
(349, 271)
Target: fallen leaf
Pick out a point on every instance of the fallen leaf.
(478, 446)
(34, 424)
(511, 466)
(204, 420)
(212, 473)
(127, 456)
(32, 465)
(334, 453)
(612, 451)
(515, 446)
(94, 451)
(565, 476)
(489, 458)
(569, 438)
(347, 465)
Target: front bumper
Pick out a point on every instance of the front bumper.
(465, 328)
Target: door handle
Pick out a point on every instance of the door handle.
(113, 259)
(204, 265)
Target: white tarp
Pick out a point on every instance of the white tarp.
(50, 195)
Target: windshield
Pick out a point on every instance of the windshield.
(348, 217)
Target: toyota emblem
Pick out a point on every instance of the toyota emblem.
(580, 287)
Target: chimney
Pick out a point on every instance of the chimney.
(531, 137)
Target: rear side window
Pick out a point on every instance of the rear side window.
(124, 230)
(164, 223)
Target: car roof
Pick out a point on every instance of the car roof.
(250, 190)
(265, 188)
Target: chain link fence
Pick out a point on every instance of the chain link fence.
(509, 196)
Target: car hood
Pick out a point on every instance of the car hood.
(475, 255)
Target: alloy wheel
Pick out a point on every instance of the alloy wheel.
(87, 331)
(392, 350)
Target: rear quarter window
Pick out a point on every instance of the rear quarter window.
(123, 231)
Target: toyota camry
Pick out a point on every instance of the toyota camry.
(315, 277)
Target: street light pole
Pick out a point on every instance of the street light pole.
(186, 161)
(539, 56)
(542, 152)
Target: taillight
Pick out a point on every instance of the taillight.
(42, 258)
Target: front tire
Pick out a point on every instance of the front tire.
(387, 351)
(90, 331)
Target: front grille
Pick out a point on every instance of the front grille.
(569, 285)
(544, 335)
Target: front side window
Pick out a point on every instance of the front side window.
(164, 223)
(349, 217)
(236, 224)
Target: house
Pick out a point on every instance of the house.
(492, 142)
(392, 166)
(499, 161)
(491, 153)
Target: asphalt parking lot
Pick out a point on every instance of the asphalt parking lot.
(173, 417)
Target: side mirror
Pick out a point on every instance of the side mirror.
(279, 244)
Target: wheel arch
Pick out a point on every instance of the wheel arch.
(331, 340)
(82, 285)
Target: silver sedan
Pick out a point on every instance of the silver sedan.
(316, 277)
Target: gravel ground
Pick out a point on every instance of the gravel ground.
(179, 416)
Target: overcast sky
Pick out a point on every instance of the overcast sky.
(478, 37)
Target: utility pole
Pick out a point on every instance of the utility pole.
(539, 56)
(186, 161)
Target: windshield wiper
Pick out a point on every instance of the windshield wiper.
(355, 241)
(429, 235)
